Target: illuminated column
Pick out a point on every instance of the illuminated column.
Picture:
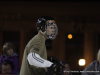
(88, 47)
(22, 45)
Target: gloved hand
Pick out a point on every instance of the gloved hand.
(54, 65)
(52, 69)
(60, 70)
(56, 68)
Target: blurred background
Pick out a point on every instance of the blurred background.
(80, 19)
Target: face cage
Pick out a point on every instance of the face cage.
(51, 34)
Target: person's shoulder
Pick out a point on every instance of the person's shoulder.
(35, 38)
(95, 62)
(15, 55)
(92, 62)
(3, 56)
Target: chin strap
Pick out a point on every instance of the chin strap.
(44, 34)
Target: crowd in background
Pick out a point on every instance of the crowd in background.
(9, 62)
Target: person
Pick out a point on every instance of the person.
(6, 68)
(94, 67)
(67, 68)
(10, 54)
(34, 60)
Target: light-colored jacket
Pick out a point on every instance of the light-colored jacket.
(92, 69)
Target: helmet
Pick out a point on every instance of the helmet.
(48, 25)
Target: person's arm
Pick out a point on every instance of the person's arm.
(34, 59)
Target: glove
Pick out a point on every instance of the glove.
(54, 65)
(52, 69)
(57, 69)
(60, 70)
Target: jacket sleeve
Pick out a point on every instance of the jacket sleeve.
(16, 65)
(34, 56)
(36, 60)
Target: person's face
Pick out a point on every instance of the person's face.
(67, 68)
(51, 29)
(6, 69)
(10, 51)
